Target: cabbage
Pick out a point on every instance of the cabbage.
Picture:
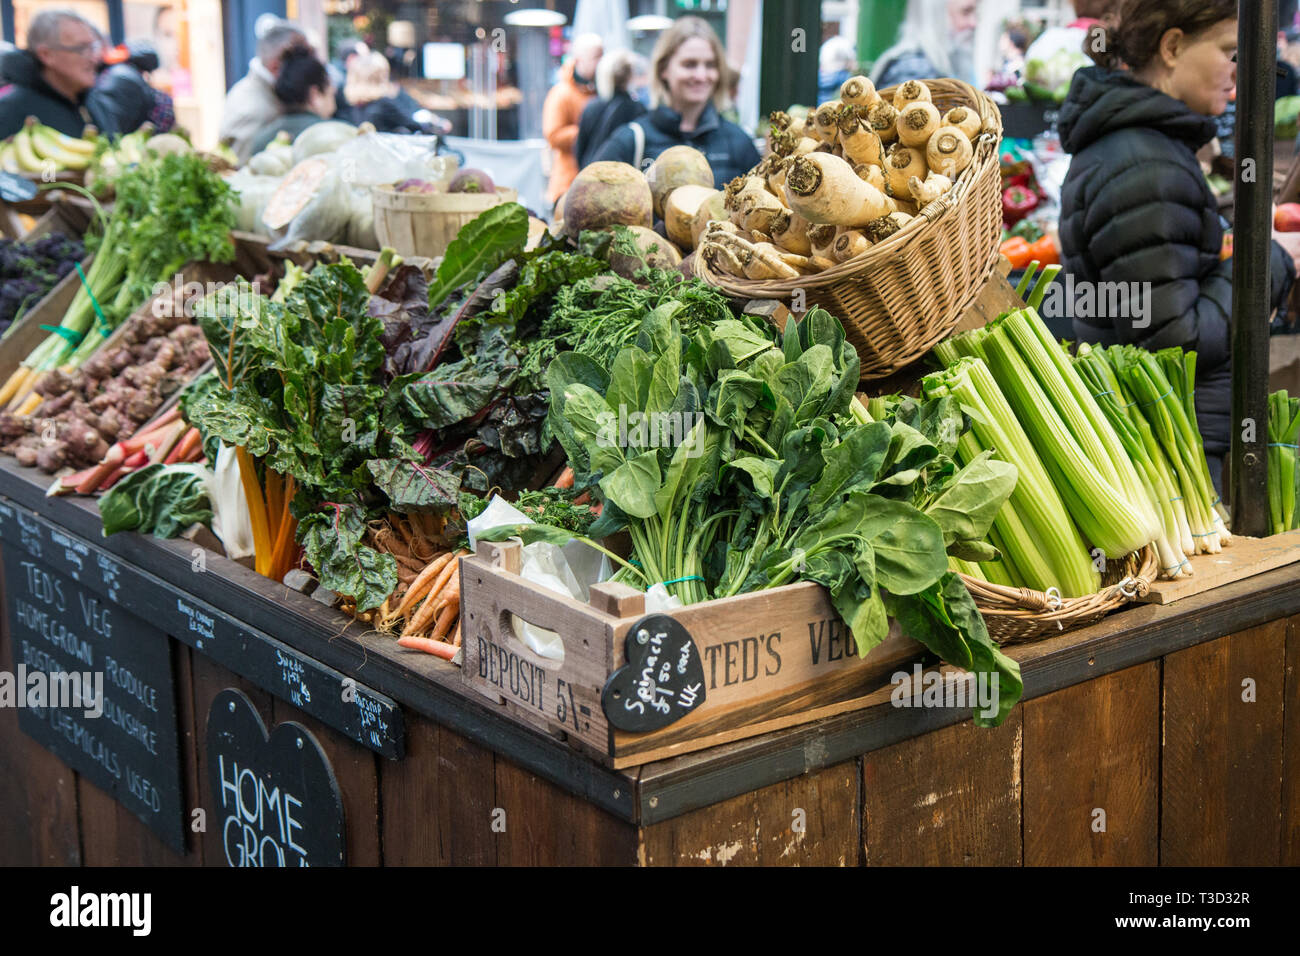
(322, 138)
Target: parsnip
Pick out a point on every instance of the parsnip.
(758, 210)
(859, 142)
(820, 263)
(824, 189)
(917, 122)
(769, 263)
(966, 120)
(901, 165)
(859, 91)
(790, 232)
(826, 121)
(884, 120)
(879, 230)
(776, 174)
(928, 190)
(872, 174)
(949, 151)
(821, 238)
(910, 92)
(849, 245)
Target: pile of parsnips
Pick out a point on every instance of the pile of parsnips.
(850, 176)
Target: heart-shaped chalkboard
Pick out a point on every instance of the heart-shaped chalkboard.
(662, 681)
(276, 798)
(16, 188)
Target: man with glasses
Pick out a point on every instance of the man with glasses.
(53, 79)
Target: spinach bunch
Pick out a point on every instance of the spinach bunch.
(776, 474)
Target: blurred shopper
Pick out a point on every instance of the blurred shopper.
(347, 52)
(54, 78)
(251, 104)
(837, 60)
(687, 91)
(305, 95)
(621, 80)
(126, 89)
(936, 38)
(562, 110)
(1135, 206)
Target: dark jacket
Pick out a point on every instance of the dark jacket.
(725, 145)
(32, 96)
(389, 114)
(905, 65)
(1135, 207)
(123, 91)
(600, 118)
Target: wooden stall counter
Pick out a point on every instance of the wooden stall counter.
(246, 724)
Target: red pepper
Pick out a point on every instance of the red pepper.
(1017, 251)
(1017, 202)
(1044, 250)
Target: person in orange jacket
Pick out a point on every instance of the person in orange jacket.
(563, 109)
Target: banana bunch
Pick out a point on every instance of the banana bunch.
(38, 149)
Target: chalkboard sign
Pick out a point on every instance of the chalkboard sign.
(94, 686)
(276, 796)
(662, 681)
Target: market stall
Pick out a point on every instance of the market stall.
(788, 533)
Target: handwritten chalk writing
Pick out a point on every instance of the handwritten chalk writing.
(49, 628)
(198, 622)
(260, 828)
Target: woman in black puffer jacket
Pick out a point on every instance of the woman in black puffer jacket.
(1135, 206)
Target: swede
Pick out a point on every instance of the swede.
(676, 166)
(680, 208)
(655, 252)
(607, 194)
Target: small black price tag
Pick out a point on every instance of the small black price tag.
(662, 681)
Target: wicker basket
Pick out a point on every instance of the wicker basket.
(905, 294)
(424, 224)
(1018, 615)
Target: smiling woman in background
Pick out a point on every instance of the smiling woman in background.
(687, 92)
(1135, 205)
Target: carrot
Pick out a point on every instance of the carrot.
(421, 584)
(167, 441)
(191, 443)
(151, 436)
(421, 618)
(443, 577)
(566, 478)
(30, 404)
(446, 616)
(438, 648)
(455, 638)
(20, 375)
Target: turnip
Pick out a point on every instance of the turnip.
(824, 189)
(607, 194)
(674, 167)
(472, 181)
(949, 151)
(679, 211)
(656, 251)
(917, 122)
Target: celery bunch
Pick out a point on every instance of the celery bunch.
(1283, 476)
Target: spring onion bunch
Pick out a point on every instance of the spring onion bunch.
(1283, 475)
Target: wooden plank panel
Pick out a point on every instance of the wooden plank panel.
(811, 820)
(1094, 746)
(950, 797)
(547, 826)
(208, 679)
(38, 792)
(1291, 748)
(358, 778)
(437, 800)
(1221, 769)
(1246, 558)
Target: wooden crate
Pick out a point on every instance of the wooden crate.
(771, 659)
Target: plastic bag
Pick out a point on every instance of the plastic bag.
(568, 570)
(373, 159)
(254, 193)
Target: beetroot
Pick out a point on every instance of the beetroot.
(415, 186)
(472, 181)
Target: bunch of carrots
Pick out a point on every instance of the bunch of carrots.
(168, 440)
(425, 608)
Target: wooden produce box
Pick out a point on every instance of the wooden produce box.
(704, 674)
